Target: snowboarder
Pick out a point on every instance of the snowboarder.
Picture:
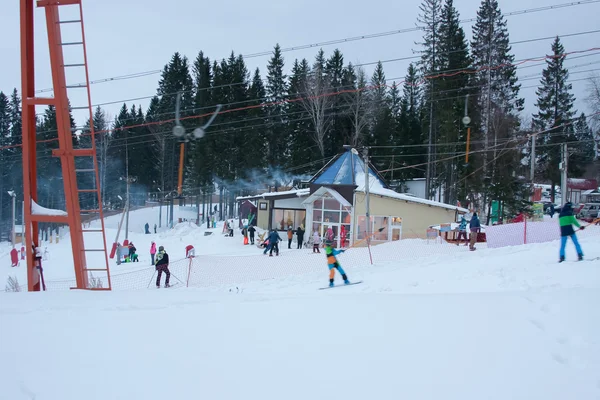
(154, 228)
(251, 231)
(566, 221)
(333, 263)
(147, 228)
(475, 227)
(162, 265)
(316, 242)
(462, 231)
(300, 236)
(274, 240)
(152, 251)
(290, 234)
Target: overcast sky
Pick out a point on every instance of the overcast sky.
(133, 36)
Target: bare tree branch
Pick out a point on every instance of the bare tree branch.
(317, 102)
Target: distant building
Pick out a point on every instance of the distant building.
(336, 200)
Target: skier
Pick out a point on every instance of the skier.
(332, 263)
(162, 265)
(152, 251)
(274, 240)
(316, 242)
(154, 228)
(290, 234)
(566, 221)
(300, 235)
(475, 226)
(462, 231)
(251, 231)
(147, 229)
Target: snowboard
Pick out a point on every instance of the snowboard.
(343, 284)
(585, 259)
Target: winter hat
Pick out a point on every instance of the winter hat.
(161, 248)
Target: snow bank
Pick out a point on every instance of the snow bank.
(36, 209)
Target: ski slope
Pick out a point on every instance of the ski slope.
(429, 322)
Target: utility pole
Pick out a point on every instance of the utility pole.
(13, 233)
(367, 204)
(532, 172)
(563, 176)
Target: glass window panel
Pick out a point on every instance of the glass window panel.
(299, 218)
(318, 204)
(361, 227)
(396, 221)
(331, 204)
(289, 219)
(317, 215)
(331, 216)
(277, 220)
(396, 234)
(345, 236)
(346, 217)
(380, 222)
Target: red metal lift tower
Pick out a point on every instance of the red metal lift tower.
(66, 152)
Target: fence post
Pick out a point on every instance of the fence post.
(187, 282)
(525, 232)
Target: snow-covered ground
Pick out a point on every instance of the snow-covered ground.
(430, 321)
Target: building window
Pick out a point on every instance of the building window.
(392, 228)
(262, 206)
(282, 219)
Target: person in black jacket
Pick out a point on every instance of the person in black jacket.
(251, 231)
(300, 235)
(162, 265)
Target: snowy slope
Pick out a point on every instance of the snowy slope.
(430, 321)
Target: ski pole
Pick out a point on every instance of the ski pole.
(151, 279)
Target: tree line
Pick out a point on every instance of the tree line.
(279, 123)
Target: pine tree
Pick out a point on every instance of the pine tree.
(554, 117)
(584, 152)
(302, 145)
(429, 65)
(276, 91)
(334, 73)
(451, 90)
(412, 156)
(382, 123)
(175, 78)
(4, 154)
(360, 109)
(200, 160)
(499, 92)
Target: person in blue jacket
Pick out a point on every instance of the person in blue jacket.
(274, 240)
(475, 227)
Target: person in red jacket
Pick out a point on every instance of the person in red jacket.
(152, 251)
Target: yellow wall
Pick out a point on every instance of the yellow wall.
(263, 215)
(416, 217)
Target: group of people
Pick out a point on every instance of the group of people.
(474, 227)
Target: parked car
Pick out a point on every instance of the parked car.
(589, 211)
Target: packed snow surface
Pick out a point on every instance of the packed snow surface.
(430, 321)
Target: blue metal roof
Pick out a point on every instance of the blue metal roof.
(343, 171)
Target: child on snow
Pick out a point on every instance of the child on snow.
(566, 221)
(316, 242)
(332, 263)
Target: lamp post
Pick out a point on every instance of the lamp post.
(12, 194)
(365, 150)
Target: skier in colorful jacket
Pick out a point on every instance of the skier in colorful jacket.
(566, 221)
(333, 263)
